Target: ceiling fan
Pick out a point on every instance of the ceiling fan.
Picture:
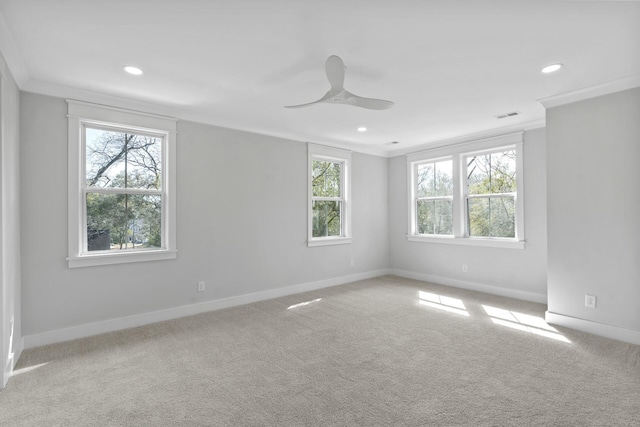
(335, 70)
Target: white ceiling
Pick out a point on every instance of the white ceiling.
(450, 66)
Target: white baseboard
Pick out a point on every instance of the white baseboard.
(473, 286)
(607, 331)
(89, 329)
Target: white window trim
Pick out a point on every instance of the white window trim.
(321, 152)
(81, 114)
(457, 153)
(413, 176)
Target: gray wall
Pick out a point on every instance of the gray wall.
(512, 272)
(242, 218)
(593, 175)
(9, 220)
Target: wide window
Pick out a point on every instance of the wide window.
(469, 193)
(121, 186)
(329, 187)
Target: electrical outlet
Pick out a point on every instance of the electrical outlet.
(353, 263)
(201, 287)
(590, 301)
(464, 268)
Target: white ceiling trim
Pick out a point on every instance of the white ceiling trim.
(613, 86)
(46, 88)
(67, 92)
(12, 57)
(492, 133)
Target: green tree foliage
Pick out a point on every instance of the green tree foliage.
(326, 185)
(491, 182)
(434, 205)
(116, 160)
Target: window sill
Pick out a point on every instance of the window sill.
(120, 258)
(326, 241)
(467, 241)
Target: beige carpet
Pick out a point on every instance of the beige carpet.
(380, 352)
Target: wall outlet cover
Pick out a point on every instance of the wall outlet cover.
(590, 301)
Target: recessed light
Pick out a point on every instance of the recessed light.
(362, 129)
(133, 70)
(551, 68)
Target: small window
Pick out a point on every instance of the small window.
(329, 209)
(121, 186)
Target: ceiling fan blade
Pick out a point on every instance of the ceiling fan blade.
(335, 73)
(338, 95)
(323, 99)
(369, 103)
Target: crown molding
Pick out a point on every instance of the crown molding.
(462, 139)
(618, 85)
(12, 58)
(68, 92)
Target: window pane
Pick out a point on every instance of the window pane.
(123, 221)
(491, 217)
(444, 178)
(435, 179)
(435, 217)
(503, 172)
(326, 218)
(492, 173)
(478, 174)
(122, 160)
(426, 186)
(326, 178)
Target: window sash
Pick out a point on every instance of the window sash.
(491, 224)
(434, 164)
(112, 127)
(342, 167)
(435, 205)
(121, 129)
(102, 190)
(480, 196)
(340, 222)
(87, 189)
(338, 199)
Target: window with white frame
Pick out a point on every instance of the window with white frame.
(434, 197)
(491, 190)
(121, 186)
(329, 190)
(468, 193)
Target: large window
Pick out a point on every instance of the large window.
(468, 193)
(329, 187)
(121, 186)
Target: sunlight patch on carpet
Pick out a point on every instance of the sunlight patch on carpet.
(302, 304)
(441, 302)
(27, 369)
(523, 322)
